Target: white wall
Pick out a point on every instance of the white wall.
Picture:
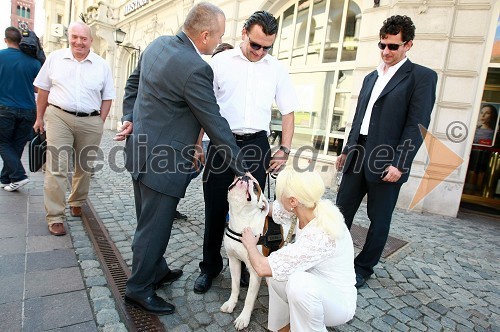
(4, 20)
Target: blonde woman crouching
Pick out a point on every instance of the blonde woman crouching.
(311, 281)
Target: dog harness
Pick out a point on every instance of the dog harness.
(266, 240)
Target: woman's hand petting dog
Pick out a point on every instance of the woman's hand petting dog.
(248, 239)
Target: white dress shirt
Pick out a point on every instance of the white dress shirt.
(194, 45)
(379, 86)
(76, 86)
(245, 90)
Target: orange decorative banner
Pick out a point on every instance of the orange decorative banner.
(442, 162)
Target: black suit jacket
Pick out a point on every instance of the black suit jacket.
(169, 97)
(394, 135)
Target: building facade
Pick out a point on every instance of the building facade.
(328, 47)
(22, 14)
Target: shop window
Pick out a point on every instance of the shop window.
(483, 172)
(482, 183)
(351, 33)
(286, 35)
(301, 29)
(310, 34)
(333, 30)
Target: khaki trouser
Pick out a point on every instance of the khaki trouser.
(68, 136)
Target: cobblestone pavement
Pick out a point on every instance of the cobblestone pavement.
(446, 279)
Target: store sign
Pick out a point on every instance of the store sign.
(134, 5)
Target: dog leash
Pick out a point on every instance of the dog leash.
(269, 187)
(289, 236)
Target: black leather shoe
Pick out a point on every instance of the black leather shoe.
(360, 280)
(153, 304)
(202, 283)
(245, 277)
(171, 276)
(180, 216)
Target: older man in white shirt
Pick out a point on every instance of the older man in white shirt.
(75, 91)
(247, 80)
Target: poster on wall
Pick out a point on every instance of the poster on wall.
(487, 124)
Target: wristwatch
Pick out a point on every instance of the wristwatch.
(285, 149)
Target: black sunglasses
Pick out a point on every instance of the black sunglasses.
(257, 47)
(392, 47)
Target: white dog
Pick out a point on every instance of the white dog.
(248, 207)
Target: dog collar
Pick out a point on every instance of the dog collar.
(230, 233)
(263, 240)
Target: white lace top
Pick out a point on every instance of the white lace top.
(314, 251)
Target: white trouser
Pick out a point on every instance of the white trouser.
(308, 303)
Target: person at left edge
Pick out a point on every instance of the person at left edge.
(17, 108)
(75, 92)
(168, 98)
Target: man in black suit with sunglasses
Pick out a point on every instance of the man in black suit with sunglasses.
(247, 80)
(395, 100)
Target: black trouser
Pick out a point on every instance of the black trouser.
(381, 200)
(155, 215)
(217, 178)
(16, 128)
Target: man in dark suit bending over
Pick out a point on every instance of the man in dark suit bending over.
(168, 98)
(393, 102)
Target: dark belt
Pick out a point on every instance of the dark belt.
(81, 114)
(247, 137)
(362, 138)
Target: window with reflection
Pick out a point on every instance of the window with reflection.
(351, 32)
(323, 34)
(285, 41)
(483, 171)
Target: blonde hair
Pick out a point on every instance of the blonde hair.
(308, 188)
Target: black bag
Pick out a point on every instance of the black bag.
(37, 152)
(30, 44)
(272, 239)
